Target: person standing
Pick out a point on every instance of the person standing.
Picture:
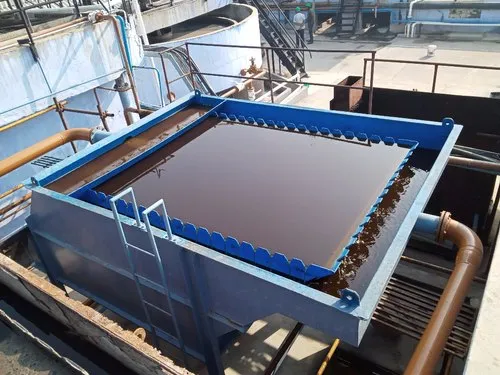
(310, 22)
(299, 22)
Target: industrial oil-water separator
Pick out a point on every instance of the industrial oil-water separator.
(212, 213)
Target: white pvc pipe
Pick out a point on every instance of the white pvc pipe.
(413, 26)
(410, 10)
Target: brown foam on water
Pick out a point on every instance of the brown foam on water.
(366, 255)
(297, 194)
(128, 149)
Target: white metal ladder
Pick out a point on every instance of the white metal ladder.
(178, 341)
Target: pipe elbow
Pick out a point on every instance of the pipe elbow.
(77, 134)
(470, 247)
(38, 149)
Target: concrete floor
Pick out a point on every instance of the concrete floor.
(251, 352)
(332, 68)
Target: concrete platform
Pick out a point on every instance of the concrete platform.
(331, 68)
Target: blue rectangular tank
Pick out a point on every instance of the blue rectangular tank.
(313, 230)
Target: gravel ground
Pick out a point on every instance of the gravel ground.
(19, 356)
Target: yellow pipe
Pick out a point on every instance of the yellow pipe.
(29, 117)
(328, 357)
(38, 149)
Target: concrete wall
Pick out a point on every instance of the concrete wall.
(18, 138)
(181, 11)
(208, 59)
(71, 63)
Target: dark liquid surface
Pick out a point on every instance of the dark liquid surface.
(365, 256)
(293, 193)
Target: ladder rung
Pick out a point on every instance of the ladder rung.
(157, 308)
(139, 249)
(151, 284)
(172, 339)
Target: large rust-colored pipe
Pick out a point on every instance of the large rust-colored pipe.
(141, 113)
(468, 260)
(478, 165)
(38, 149)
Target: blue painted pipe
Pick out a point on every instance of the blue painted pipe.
(158, 77)
(125, 40)
(98, 135)
(427, 224)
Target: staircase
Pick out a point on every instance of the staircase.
(347, 17)
(275, 33)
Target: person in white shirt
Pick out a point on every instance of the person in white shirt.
(299, 21)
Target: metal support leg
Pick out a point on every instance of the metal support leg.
(434, 78)
(194, 278)
(270, 76)
(60, 110)
(370, 95)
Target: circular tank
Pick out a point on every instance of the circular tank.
(235, 24)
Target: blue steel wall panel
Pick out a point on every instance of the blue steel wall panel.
(239, 293)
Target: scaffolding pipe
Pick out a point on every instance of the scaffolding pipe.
(29, 117)
(14, 204)
(328, 357)
(17, 160)
(476, 165)
(11, 191)
(140, 112)
(468, 260)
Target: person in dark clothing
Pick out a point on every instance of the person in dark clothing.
(310, 23)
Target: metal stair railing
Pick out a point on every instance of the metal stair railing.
(292, 42)
(178, 341)
(277, 36)
(190, 65)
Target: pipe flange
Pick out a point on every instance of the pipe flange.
(445, 218)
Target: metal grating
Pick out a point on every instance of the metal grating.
(407, 307)
(46, 161)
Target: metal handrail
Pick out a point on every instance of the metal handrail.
(21, 9)
(435, 64)
(271, 80)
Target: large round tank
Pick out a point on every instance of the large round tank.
(235, 24)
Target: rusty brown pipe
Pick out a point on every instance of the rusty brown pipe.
(468, 260)
(140, 112)
(128, 69)
(14, 204)
(38, 149)
(479, 165)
